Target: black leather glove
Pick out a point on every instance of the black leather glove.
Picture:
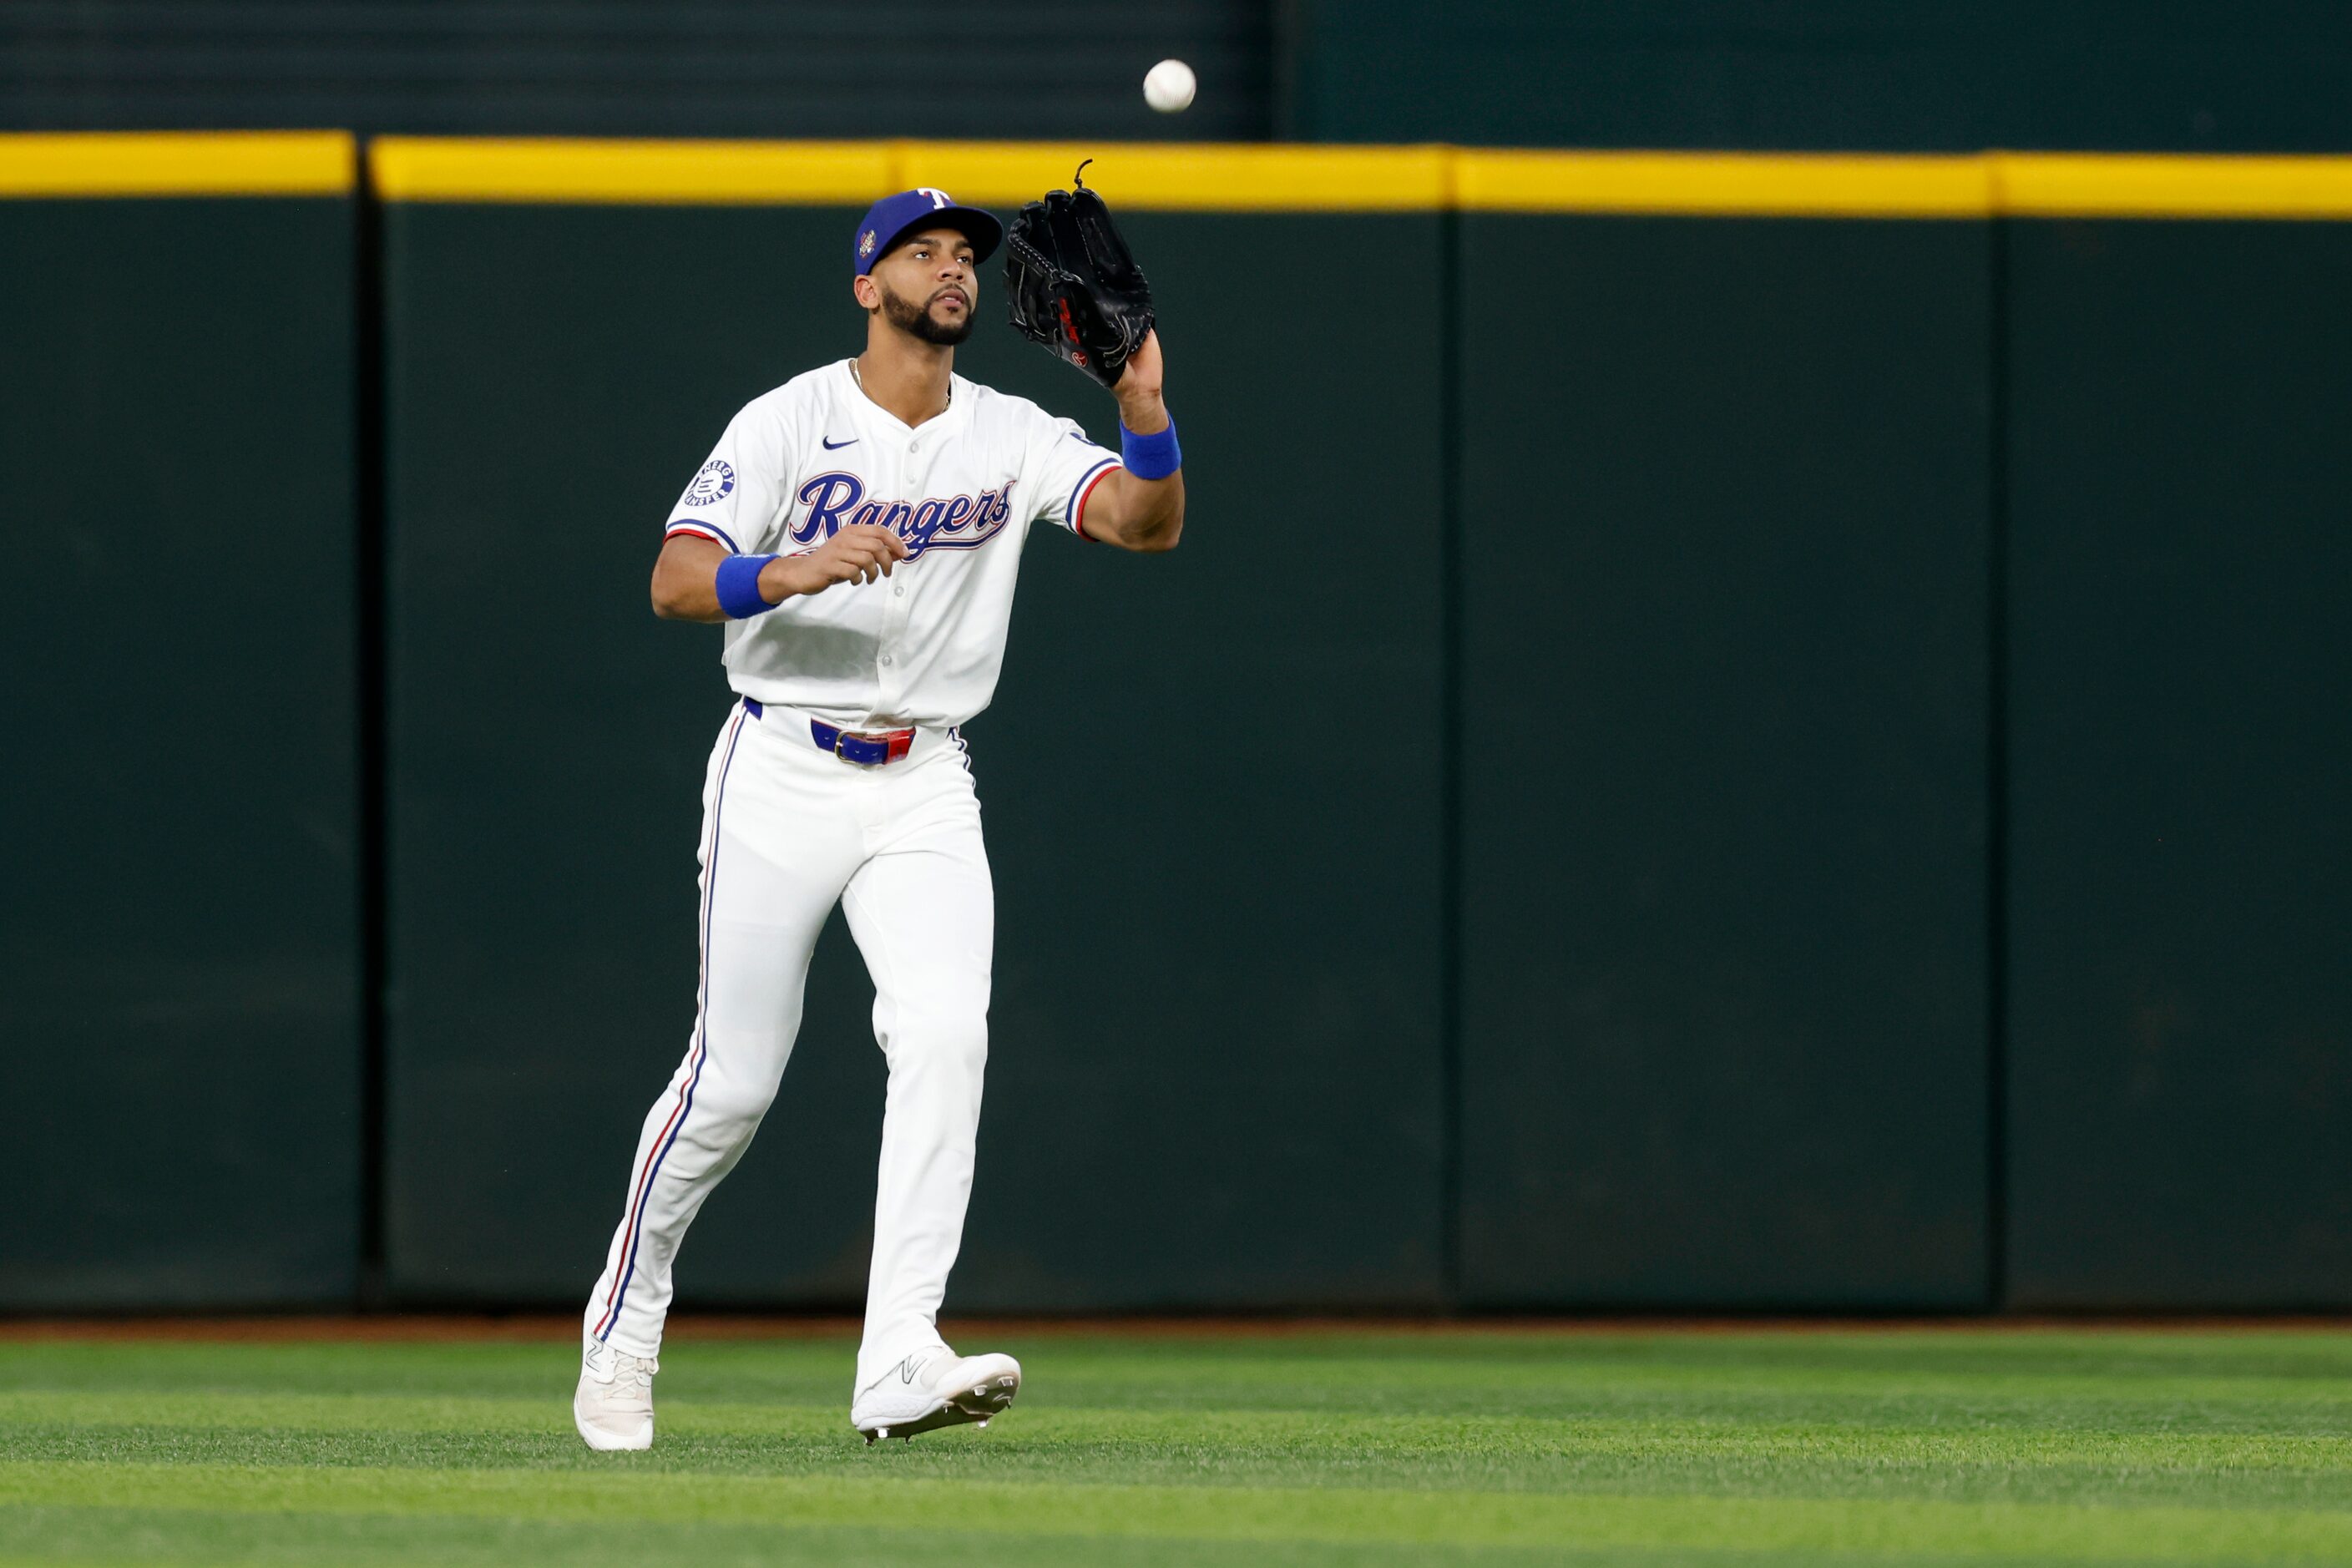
(1072, 285)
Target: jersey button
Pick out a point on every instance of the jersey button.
(886, 658)
(911, 445)
(901, 592)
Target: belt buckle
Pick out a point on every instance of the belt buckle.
(842, 737)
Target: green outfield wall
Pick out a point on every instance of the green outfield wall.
(180, 848)
(1724, 875)
(2180, 767)
(1728, 732)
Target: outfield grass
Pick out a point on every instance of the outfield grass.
(1498, 1447)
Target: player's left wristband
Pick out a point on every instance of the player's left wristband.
(738, 586)
(1152, 457)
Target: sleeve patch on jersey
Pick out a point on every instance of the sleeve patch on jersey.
(711, 484)
(701, 530)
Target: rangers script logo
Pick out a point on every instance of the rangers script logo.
(957, 522)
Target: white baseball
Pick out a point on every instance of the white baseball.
(1168, 86)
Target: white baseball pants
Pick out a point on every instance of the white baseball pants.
(789, 831)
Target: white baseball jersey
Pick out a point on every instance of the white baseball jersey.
(923, 646)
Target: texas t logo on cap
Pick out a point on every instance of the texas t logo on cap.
(894, 218)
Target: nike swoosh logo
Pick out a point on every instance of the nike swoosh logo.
(837, 445)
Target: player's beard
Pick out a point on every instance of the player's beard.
(908, 317)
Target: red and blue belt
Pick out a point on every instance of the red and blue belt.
(867, 749)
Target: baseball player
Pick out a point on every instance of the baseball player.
(858, 531)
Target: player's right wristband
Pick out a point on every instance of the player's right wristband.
(738, 586)
(1152, 457)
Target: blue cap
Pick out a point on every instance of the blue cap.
(892, 217)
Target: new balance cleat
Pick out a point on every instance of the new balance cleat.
(933, 1389)
(613, 1407)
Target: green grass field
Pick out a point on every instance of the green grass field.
(1505, 1446)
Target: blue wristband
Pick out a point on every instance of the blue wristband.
(738, 586)
(1152, 457)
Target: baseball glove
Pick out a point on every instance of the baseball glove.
(1072, 285)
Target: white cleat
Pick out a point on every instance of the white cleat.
(933, 1389)
(614, 1408)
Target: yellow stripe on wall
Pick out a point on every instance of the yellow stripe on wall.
(1764, 184)
(176, 163)
(1179, 176)
(1182, 177)
(712, 174)
(2060, 184)
(1229, 177)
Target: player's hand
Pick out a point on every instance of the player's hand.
(1138, 386)
(858, 553)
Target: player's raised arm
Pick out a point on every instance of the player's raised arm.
(1141, 507)
(696, 579)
